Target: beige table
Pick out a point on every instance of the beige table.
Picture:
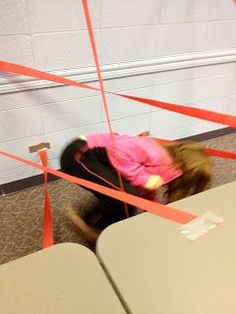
(63, 279)
(157, 271)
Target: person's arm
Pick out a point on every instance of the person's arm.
(133, 166)
(137, 173)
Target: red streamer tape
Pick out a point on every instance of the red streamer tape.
(203, 114)
(102, 89)
(47, 217)
(158, 209)
(189, 111)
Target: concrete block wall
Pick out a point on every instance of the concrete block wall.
(52, 36)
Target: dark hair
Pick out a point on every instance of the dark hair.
(196, 166)
(67, 161)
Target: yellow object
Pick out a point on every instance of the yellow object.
(154, 182)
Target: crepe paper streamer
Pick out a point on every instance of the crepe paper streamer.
(203, 114)
(156, 208)
(47, 216)
(102, 89)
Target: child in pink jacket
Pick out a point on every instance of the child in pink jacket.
(144, 165)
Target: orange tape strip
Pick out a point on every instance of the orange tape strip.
(203, 114)
(102, 89)
(47, 217)
(158, 209)
(19, 69)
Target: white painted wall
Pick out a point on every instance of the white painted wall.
(194, 40)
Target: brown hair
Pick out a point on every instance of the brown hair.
(196, 166)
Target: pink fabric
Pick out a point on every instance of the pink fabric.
(136, 158)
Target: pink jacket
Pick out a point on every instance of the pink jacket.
(136, 158)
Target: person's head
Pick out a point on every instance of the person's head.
(196, 166)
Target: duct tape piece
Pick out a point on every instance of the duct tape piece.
(200, 225)
(38, 147)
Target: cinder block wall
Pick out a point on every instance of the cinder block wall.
(178, 51)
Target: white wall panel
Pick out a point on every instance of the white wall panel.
(184, 11)
(166, 77)
(63, 50)
(130, 82)
(64, 93)
(71, 114)
(191, 91)
(18, 173)
(125, 13)
(222, 9)
(182, 38)
(221, 35)
(19, 147)
(60, 15)
(231, 106)
(20, 123)
(13, 17)
(16, 49)
(129, 43)
(132, 125)
(18, 100)
(122, 107)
